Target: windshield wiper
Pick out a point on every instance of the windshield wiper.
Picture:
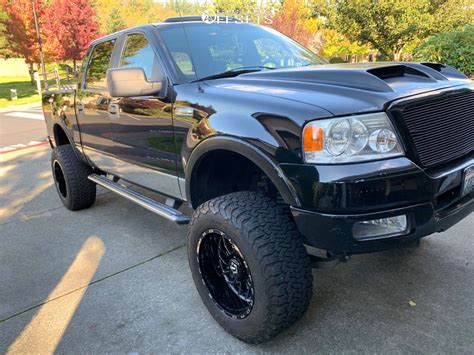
(233, 72)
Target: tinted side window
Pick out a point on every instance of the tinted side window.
(98, 65)
(138, 53)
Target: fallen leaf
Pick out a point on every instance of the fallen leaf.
(412, 303)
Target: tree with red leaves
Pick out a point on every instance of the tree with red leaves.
(20, 30)
(290, 20)
(70, 26)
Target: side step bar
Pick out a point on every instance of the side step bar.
(144, 201)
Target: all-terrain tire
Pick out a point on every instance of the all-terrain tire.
(266, 236)
(70, 176)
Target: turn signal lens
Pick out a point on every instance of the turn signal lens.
(313, 139)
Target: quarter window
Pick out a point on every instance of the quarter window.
(100, 60)
(138, 53)
(183, 62)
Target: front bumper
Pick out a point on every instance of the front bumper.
(334, 232)
(431, 200)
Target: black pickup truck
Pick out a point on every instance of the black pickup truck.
(288, 163)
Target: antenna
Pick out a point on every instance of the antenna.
(187, 44)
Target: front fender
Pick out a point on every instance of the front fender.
(249, 151)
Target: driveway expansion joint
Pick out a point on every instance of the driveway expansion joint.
(93, 282)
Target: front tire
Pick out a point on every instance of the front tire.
(70, 174)
(249, 265)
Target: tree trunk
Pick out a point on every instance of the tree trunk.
(32, 73)
(74, 66)
(397, 54)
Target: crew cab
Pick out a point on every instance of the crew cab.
(288, 162)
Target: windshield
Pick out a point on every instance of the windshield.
(214, 49)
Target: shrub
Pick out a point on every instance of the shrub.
(452, 48)
(335, 60)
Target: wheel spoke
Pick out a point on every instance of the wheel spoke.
(223, 248)
(240, 289)
(229, 251)
(226, 262)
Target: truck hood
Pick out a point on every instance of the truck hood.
(347, 88)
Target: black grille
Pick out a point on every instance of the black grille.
(442, 129)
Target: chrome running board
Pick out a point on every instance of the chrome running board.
(154, 206)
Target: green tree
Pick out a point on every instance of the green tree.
(452, 48)
(115, 22)
(243, 6)
(185, 7)
(335, 43)
(4, 44)
(391, 26)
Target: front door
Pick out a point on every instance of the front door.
(92, 108)
(143, 133)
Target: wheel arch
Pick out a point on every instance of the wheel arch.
(245, 150)
(60, 136)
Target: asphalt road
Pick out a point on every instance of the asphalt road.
(114, 278)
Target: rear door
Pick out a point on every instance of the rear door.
(93, 104)
(143, 130)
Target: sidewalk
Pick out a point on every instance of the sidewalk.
(21, 126)
(25, 107)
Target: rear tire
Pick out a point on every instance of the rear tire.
(70, 174)
(273, 268)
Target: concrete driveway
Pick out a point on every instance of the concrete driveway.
(115, 278)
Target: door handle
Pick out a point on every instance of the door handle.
(114, 111)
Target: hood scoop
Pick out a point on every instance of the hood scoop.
(445, 70)
(393, 71)
(325, 74)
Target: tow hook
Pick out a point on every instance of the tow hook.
(328, 262)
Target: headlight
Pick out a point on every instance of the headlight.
(350, 139)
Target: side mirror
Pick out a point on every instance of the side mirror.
(126, 82)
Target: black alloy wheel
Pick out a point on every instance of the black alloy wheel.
(225, 273)
(59, 179)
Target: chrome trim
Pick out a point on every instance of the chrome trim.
(182, 188)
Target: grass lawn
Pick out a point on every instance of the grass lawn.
(26, 93)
